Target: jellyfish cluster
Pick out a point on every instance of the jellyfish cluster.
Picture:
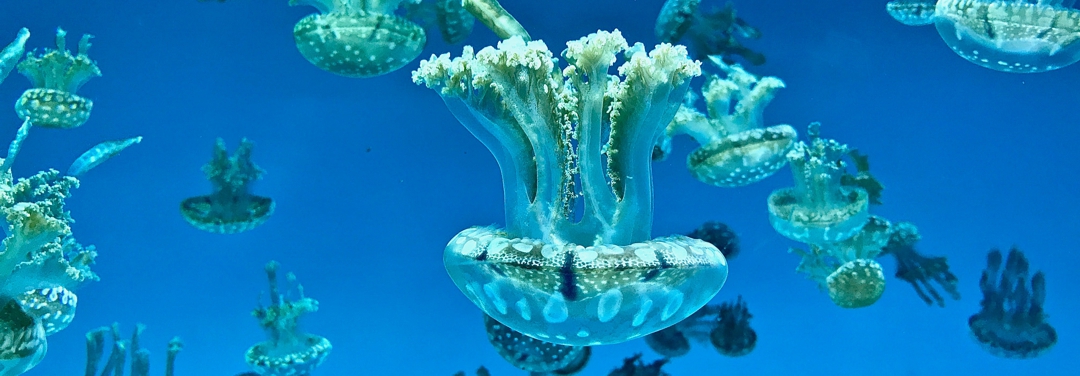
(288, 351)
(231, 208)
(122, 349)
(725, 326)
(709, 34)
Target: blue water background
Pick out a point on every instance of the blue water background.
(373, 176)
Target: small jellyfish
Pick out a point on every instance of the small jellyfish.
(24, 343)
(1012, 323)
(918, 270)
(231, 208)
(99, 154)
(1018, 36)
(847, 269)
(710, 34)
(56, 75)
(736, 147)
(534, 355)
(819, 209)
(719, 235)
(912, 12)
(357, 38)
(733, 335)
(122, 349)
(633, 366)
(289, 351)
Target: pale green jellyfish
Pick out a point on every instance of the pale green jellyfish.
(357, 38)
(56, 76)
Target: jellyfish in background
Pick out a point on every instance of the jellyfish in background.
(847, 269)
(726, 327)
(736, 148)
(289, 351)
(819, 209)
(918, 270)
(533, 355)
(121, 349)
(563, 273)
(1012, 322)
(633, 366)
(710, 34)
(720, 236)
(482, 371)
(454, 22)
(357, 38)
(231, 208)
(56, 75)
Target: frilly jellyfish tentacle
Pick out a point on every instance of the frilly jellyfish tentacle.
(1012, 322)
(11, 54)
(918, 270)
(56, 76)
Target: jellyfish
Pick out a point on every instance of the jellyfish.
(1018, 36)
(575, 265)
(56, 76)
(711, 34)
(912, 12)
(99, 154)
(733, 335)
(862, 177)
(819, 209)
(24, 340)
(736, 148)
(1012, 322)
(918, 270)
(720, 236)
(847, 269)
(289, 351)
(122, 349)
(634, 366)
(11, 54)
(357, 38)
(534, 355)
(455, 22)
(231, 208)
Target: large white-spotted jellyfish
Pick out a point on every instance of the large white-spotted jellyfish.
(56, 75)
(231, 208)
(533, 355)
(1012, 322)
(1019, 36)
(122, 349)
(289, 351)
(819, 209)
(575, 264)
(736, 147)
(357, 38)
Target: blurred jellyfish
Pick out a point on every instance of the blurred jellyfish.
(633, 366)
(11, 54)
(912, 12)
(455, 23)
(482, 371)
(736, 147)
(534, 355)
(231, 208)
(819, 209)
(720, 236)
(726, 327)
(733, 335)
(56, 75)
(1012, 323)
(918, 270)
(289, 351)
(862, 178)
(122, 349)
(357, 38)
(99, 154)
(709, 34)
(847, 269)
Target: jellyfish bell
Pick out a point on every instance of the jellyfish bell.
(1011, 36)
(669, 342)
(23, 338)
(743, 158)
(227, 215)
(531, 354)
(856, 284)
(300, 358)
(54, 306)
(358, 44)
(911, 12)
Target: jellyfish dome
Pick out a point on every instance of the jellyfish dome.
(1011, 35)
(356, 38)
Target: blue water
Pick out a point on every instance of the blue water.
(373, 176)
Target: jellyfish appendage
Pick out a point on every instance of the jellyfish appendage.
(576, 295)
(743, 158)
(531, 354)
(1010, 36)
(53, 108)
(358, 44)
(814, 226)
(24, 339)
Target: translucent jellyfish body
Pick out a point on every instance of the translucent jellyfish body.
(1017, 36)
(819, 209)
(231, 208)
(1012, 321)
(23, 338)
(289, 351)
(847, 269)
(736, 148)
(357, 38)
(533, 355)
(562, 273)
(56, 76)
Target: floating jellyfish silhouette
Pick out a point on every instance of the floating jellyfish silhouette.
(847, 269)
(482, 371)
(231, 208)
(99, 154)
(819, 209)
(1017, 36)
(733, 335)
(918, 270)
(726, 327)
(720, 236)
(534, 355)
(634, 366)
(736, 148)
(289, 351)
(11, 54)
(709, 34)
(357, 38)
(1012, 322)
(122, 349)
(557, 274)
(56, 76)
